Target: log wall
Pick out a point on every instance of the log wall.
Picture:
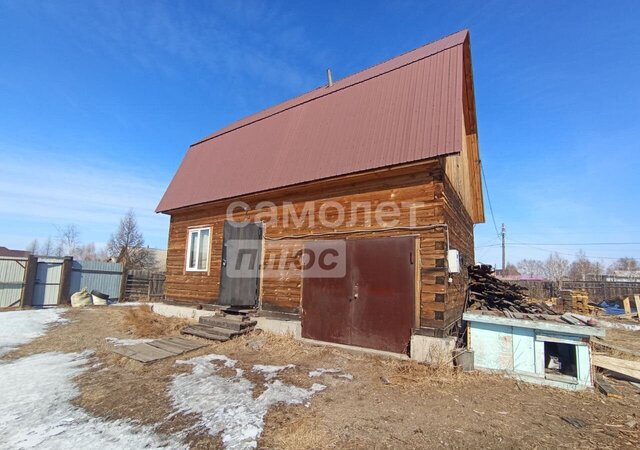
(438, 302)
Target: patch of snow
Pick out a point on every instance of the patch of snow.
(22, 327)
(124, 342)
(36, 412)
(337, 372)
(226, 405)
(270, 372)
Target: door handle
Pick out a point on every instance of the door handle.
(355, 292)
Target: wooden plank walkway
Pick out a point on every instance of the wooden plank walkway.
(158, 349)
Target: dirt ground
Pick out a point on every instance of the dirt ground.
(388, 404)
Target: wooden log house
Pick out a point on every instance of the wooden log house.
(402, 132)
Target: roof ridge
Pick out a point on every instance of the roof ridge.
(258, 119)
(405, 53)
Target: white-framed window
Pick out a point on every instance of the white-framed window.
(198, 249)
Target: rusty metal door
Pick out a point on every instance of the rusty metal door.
(373, 305)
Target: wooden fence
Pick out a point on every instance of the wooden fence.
(597, 290)
(143, 285)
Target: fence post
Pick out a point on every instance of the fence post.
(123, 284)
(65, 281)
(29, 282)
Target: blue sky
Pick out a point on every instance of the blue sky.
(99, 101)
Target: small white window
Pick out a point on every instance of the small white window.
(198, 250)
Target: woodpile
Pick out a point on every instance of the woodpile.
(485, 292)
(574, 301)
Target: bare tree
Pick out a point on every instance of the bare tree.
(555, 268)
(33, 247)
(531, 267)
(86, 252)
(126, 246)
(68, 240)
(626, 263)
(48, 248)
(598, 269)
(510, 271)
(583, 268)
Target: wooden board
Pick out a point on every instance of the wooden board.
(168, 346)
(187, 344)
(636, 298)
(157, 349)
(630, 369)
(143, 352)
(604, 386)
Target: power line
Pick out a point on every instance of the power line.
(560, 253)
(563, 244)
(486, 188)
(488, 247)
(580, 243)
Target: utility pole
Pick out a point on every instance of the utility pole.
(504, 249)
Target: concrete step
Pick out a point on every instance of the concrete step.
(205, 332)
(223, 322)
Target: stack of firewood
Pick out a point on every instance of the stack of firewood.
(487, 293)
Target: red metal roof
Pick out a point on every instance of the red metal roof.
(5, 252)
(403, 110)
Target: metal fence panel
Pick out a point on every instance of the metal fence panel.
(95, 275)
(11, 279)
(47, 285)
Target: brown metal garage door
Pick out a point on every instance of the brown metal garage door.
(373, 305)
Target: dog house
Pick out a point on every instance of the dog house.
(534, 348)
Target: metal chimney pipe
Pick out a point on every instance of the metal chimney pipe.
(329, 77)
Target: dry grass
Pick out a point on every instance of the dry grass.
(390, 403)
(304, 433)
(285, 347)
(144, 323)
(410, 374)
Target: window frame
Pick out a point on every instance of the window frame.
(190, 232)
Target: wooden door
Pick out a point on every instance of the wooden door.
(241, 259)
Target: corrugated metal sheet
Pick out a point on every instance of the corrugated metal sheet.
(101, 276)
(11, 279)
(47, 285)
(404, 110)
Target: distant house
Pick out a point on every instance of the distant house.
(5, 252)
(625, 276)
(311, 177)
